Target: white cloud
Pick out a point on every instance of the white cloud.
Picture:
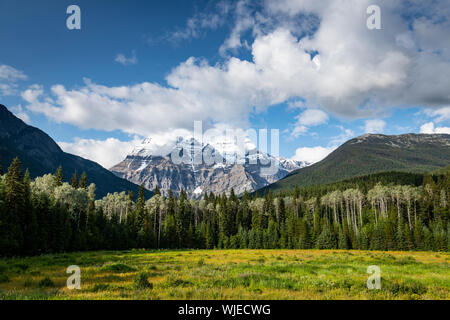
(313, 154)
(8, 73)
(440, 115)
(318, 153)
(308, 118)
(429, 128)
(374, 126)
(312, 117)
(122, 59)
(9, 78)
(107, 152)
(20, 113)
(204, 20)
(355, 73)
(344, 136)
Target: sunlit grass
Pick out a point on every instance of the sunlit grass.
(228, 274)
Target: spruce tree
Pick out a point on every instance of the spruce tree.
(326, 239)
(400, 236)
(59, 177)
(83, 181)
(15, 207)
(30, 224)
(296, 192)
(342, 239)
(74, 181)
(418, 235)
(409, 243)
(428, 239)
(140, 206)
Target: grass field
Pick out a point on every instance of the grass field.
(228, 274)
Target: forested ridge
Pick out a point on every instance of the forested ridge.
(47, 215)
(372, 154)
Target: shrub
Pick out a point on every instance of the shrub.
(4, 278)
(21, 266)
(141, 281)
(3, 268)
(28, 282)
(99, 287)
(46, 283)
(405, 287)
(118, 268)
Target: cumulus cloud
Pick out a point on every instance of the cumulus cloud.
(20, 113)
(312, 154)
(105, 152)
(440, 115)
(374, 126)
(9, 78)
(127, 61)
(318, 153)
(429, 128)
(334, 63)
(308, 118)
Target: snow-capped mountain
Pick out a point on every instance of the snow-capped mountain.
(200, 168)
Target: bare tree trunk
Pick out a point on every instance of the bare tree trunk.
(159, 228)
(409, 217)
(360, 212)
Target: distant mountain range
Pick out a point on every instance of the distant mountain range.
(241, 172)
(373, 153)
(40, 154)
(367, 154)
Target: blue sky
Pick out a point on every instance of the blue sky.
(143, 68)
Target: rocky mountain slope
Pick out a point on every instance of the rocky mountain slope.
(195, 175)
(40, 154)
(372, 153)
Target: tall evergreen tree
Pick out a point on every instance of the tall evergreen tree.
(15, 208)
(83, 181)
(74, 181)
(59, 176)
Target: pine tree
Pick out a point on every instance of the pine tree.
(59, 177)
(428, 239)
(281, 211)
(390, 240)
(140, 206)
(342, 239)
(30, 224)
(448, 236)
(418, 235)
(304, 237)
(74, 181)
(378, 238)
(296, 192)
(326, 239)
(15, 207)
(409, 244)
(83, 181)
(272, 241)
(400, 236)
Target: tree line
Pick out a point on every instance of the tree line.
(48, 215)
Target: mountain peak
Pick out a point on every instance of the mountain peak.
(151, 164)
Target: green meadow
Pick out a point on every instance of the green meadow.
(228, 274)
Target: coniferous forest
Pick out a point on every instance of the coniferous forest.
(48, 215)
